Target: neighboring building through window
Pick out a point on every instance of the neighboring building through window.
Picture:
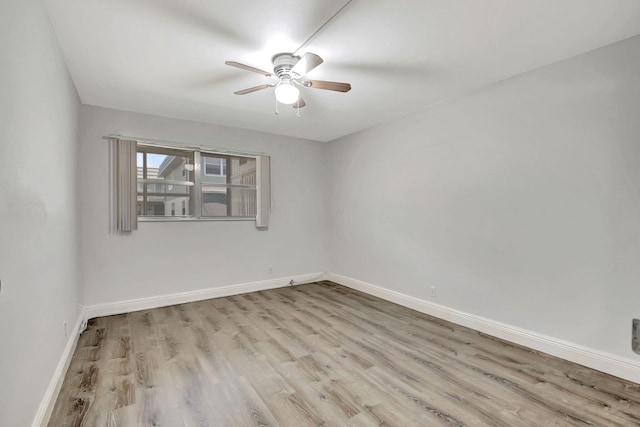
(215, 166)
(204, 184)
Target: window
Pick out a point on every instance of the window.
(204, 185)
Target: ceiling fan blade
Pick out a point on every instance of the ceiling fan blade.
(248, 68)
(308, 62)
(321, 84)
(299, 103)
(251, 89)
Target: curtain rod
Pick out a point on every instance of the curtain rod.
(175, 144)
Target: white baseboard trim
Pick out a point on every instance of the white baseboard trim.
(48, 401)
(128, 306)
(605, 362)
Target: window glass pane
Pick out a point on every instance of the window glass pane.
(217, 201)
(214, 166)
(224, 199)
(171, 167)
(214, 201)
(243, 171)
(242, 201)
(168, 189)
(151, 208)
(162, 199)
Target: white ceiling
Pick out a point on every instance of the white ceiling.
(166, 57)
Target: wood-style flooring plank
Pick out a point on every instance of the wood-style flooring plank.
(322, 355)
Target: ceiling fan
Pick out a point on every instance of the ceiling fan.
(288, 74)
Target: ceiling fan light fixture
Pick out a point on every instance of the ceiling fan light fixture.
(286, 93)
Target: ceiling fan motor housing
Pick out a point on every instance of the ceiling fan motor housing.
(283, 63)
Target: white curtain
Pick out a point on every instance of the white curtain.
(123, 185)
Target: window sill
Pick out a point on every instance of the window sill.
(191, 219)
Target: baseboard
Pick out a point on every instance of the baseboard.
(129, 306)
(48, 401)
(605, 362)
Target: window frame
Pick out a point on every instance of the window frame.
(197, 183)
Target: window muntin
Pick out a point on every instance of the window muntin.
(189, 184)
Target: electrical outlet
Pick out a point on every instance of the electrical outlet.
(64, 329)
(434, 291)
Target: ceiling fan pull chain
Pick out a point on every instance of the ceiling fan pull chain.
(276, 107)
(298, 113)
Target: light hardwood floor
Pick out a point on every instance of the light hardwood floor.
(322, 354)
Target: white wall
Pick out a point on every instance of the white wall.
(520, 202)
(38, 208)
(167, 258)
